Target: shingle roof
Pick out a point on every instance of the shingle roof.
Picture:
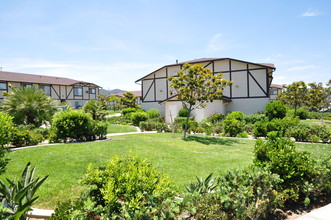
(268, 65)
(135, 93)
(38, 79)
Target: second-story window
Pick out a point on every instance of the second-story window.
(27, 85)
(46, 88)
(78, 91)
(92, 90)
(3, 86)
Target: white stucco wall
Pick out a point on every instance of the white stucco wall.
(148, 105)
(247, 106)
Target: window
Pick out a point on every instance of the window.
(79, 104)
(46, 88)
(92, 90)
(3, 86)
(274, 92)
(27, 85)
(78, 91)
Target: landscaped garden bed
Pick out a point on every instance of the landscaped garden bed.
(182, 160)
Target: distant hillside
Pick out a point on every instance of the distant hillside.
(110, 92)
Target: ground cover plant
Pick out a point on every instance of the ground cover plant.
(182, 160)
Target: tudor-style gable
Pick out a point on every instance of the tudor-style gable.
(251, 80)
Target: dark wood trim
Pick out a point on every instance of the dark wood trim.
(148, 89)
(247, 75)
(267, 82)
(70, 91)
(258, 83)
(55, 92)
(167, 83)
(154, 89)
(244, 97)
(230, 75)
(208, 64)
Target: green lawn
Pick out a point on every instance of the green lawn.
(182, 160)
(115, 128)
(317, 122)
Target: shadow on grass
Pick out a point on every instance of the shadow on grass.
(211, 140)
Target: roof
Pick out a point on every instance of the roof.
(277, 86)
(135, 93)
(38, 79)
(267, 65)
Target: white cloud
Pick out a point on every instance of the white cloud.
(311, 13)
(300, 68)
(216, 43)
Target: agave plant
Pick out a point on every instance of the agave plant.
(17, 198)
(202, 186)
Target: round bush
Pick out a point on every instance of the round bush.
(275, 109)
(153, 113)
(183, 112)
(139, 116)
(75, 125)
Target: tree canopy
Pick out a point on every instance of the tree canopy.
(29, 105)
(195, 86)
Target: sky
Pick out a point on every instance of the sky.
(114, 43)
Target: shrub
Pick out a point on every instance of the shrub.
(73, 125)
(153, 126)
(127, 111)
(218, 128)
(296, 169)
(233, 124)
(301, 132)
(6, 128)
(246, 194)
(243, 134)
(139, 116)
(183, 113)
(253, 118)
(275, 109)
(314, 139)
(153, 113)
(22, 137)
(126, 188)
(235, 115)
(99, 130)
(262, 128)
(302, 113)
(216, 117)
(322, 132)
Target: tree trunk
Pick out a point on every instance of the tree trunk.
(186, 124)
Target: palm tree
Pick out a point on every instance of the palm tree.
(29, 105)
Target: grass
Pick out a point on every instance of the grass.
(115, 128)
(182, 160)
(327, 123)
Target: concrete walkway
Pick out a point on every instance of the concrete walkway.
(323, 213)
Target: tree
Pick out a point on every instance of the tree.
(128, 100)
(294, 95)
(195, 86)
(96, 108)
(115, 100)
(103, 99)
(316, 97)
(29, 106)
